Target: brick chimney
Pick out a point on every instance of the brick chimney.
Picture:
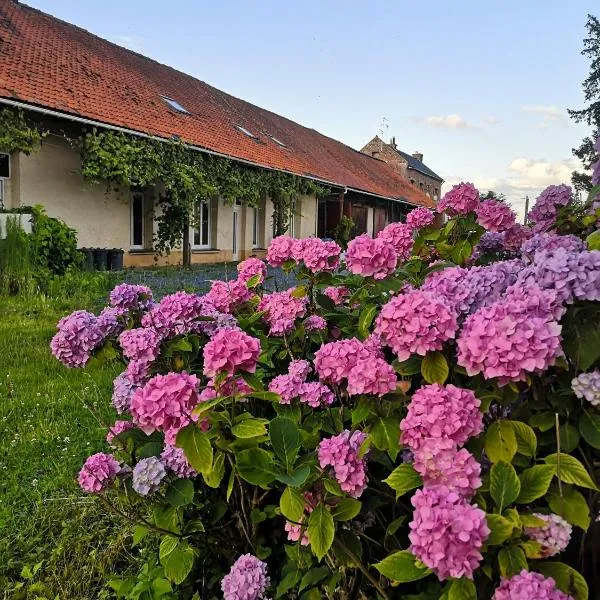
(375, 154)
(418, 156)
(393, 142)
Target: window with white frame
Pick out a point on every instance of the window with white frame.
(257, 227)
(200, 233)
(137, 220)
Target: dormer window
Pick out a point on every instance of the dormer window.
(175, 105)
(245, 131)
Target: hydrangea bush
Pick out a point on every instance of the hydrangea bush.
(417, 419)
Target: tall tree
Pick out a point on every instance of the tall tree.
(591, 114)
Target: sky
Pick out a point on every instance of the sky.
(480, 88)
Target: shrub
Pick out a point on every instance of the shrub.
(16, 261)
(276, 459)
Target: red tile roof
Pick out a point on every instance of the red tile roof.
(49, 63)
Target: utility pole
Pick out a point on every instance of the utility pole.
(526, 210)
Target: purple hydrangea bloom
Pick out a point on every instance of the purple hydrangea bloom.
(315, 323)
(247, 580)
(490, 241)
(110, 321)
(141, 344)
(543, 213)
(554, 536)
(174, 459)
(78, 335)
(98, 472)
(587, 385)
(551, 241)
(177, 313)
(147, 475)
(129, 296)
(123, 390)
(529, 586)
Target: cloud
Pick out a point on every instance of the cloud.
(550, 114)
(448, 121)
(523, 177)
(491, 120)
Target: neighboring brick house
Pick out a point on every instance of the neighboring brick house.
(410, 166)
(69, 79)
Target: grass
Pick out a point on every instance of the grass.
(46, 433)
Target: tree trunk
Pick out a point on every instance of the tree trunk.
(187, 254)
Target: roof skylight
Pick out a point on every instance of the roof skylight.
(245, 131)
(279, 142)
(175, 105)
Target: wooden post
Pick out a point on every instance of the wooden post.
(187, 254)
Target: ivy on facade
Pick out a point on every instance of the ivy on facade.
(187, 176)
(17, 134)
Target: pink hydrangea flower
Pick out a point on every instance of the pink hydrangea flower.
(447, 533)
(415, 323)
(110, 321)
(371, 257)
(280, 250)
(513, 237)
(315, 394)
(140, 344)
(315, 323)
(508, 340)
(176, 314)
(230, 350)
(98, 472)
(300, 369)
(439, 463)
(296, 532)
(78, 335)
(281, 311)
(372, 375)
(116, 428)
(341, 453)
(399, 235)
(131, 297)
(123, 389)
(174, 460)
(137, 372)
(247, 579)
(462, 199)
(287, 386)
(226, 296)
(338, 295)
(250, 267)
(334, 361)
(494, 215)
(554, 536)
(419, 217)
(529, 586)
(438, 411)
(316, 254)
(165, 403)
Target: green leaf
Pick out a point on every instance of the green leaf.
(325, 302)
(403, 479)
(367, 314)
(296, 478)
(346, 509)
(526, 439)
(569, 437)
(434, 368)
(570, 470)
(256, 466)
(264, 395)
(139, 533)
(289, 581)
(462, 251)
(299, 291)
(196, 447)
(177, 558)
(292, 504)
(362, 411)
(511, 561)
(150, 449)
(543, 421)
(581, 332)
(386, 435)
(180, 492)
(572, 507)
(501, 529)
(589, 427)
(249, 428)
(321, 531)
(500, 441)
(313, 577)
(402, 567)
(285, 440)
(254, 281)
(408, 367)
(567, 579)
(535, 483)
(214, 477)
(504, 484)
(462, 589)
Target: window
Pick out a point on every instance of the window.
(278, 142)
(201, 225)
(245, 131)
(4, 165)
(137, 220)
(175, 105)
(257, 227)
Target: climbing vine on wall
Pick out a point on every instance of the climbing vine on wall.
(187, 175)
(17, 134)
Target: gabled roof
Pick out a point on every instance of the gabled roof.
(417, 165)
(48, 63)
